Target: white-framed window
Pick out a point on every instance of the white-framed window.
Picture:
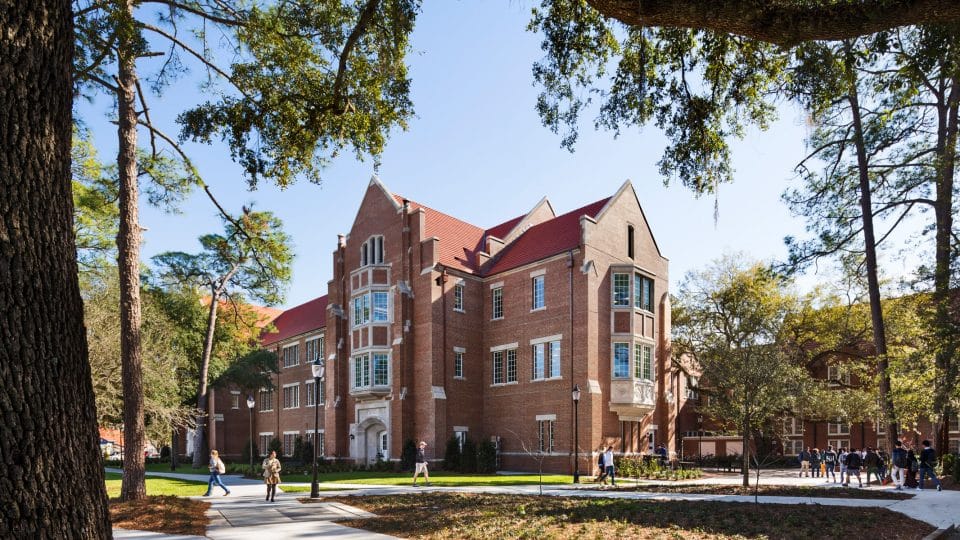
(379, 301)
(308, 437)
(880, 427)
(264, 442)
(381, 306)
(621, 360)
(291, 396)
(458, 364)
(545, 435)
(314, 348)
(538, 300)
(309, 390)
(496, 298)
(371, 251)
(837, 444)
(621, 289)
(792, 446)
(835, 374)
(954, 446)
(838, 428)
(381, 369)
(234, 399)
(693, 387)
(643, 361)
(289, 440)
(512, 365)
(461, 436)
(882, 444)
(642, 292)
(266, 400)
(546, 360)
(361, 371)
(384, 445)
(954, 424)
(291, 355)
(458, 296)
(504, 366)
(792, 426)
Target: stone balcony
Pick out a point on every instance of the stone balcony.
(372, 391)
(632, 397)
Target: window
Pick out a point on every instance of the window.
(879, 426)
(291, 396)
(361, 371)
(289, 441)
(314, 349)
(693, 387)
(538, 293)
(792, 446)
(512, 365)
(264, 443)
(497, 300)
(266, 400)
(882, 444)
(793, 426)
(838, 428)
(234, 399)
(954, 446)
(384, 445)
(643, 362)
(504, 366)
(291, 355)
(554, 359)
(371, 251)
(546, 435)
(546, 360)
(837, 444)
(461, 437)
(630, 241)
(310, 391)
(380, 306)
(458, 364)
(835, 375)
(538, 358)
(308, 437)
(621, 290)
(498, 367)
(621, 360)
(379, 300)
(458, 297)
(954, 424)
(381, 369)
(642, 292)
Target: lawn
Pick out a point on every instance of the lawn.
(777, 491)
(163, 513)
(160, 486)
(430, 515)
(438, 478)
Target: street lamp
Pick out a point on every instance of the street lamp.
(318, 369)
(700, 443)
(250, 404)
(576, 433)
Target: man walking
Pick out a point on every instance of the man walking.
(829, 462)
(853, 467)
(608, 463)
(872, 462)
(804, 458)
(901, 464)
(421, 465)
(928, 460)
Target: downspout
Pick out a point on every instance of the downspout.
(573, 429)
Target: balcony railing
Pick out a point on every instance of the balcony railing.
(632, 397)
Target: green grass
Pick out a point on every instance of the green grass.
(436, 478)
(182, 467)
(159, 486)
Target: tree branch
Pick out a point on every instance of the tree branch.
(199, 13)
(366, 15)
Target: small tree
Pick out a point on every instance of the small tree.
(468, 456)
(299, 456)
(275, 446)
(451, 458)
(487, 457)
(409, 455)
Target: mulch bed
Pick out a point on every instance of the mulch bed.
(161, 513)
(776, 491)
(485, 517)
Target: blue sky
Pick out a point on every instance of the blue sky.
(477, 150)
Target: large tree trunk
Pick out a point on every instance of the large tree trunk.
(49, 446)
(128, 250)
(870, 251)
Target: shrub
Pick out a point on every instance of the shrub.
(164, 453)
(468, 458)
(451, 458)
(246, 453)
(275, 446)
(487, 457)
(409, 455)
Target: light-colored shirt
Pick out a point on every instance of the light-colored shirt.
(608, 458)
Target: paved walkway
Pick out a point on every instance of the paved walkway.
(244, 514)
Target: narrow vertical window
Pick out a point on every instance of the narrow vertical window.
(621, 360)
(379, 244)
(538, 361)
(458, 297)
(538, 293)
(458, 365)
(497, 299)
(380, 306)
(554, 359)
(621, 289)
(381, 369)
(497, 357)
(512, 365)
(648, 362)
(630, 241)
(363, 254)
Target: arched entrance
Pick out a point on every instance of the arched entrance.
(373, 441)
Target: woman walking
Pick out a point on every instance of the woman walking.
(217, 468)
(271, 475)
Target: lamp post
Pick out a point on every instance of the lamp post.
(576, 434)
(318, 369)
(700, 442)
(250, 404)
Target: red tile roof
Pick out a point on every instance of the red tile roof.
(545, 239)
(502, 230)
(459, 240)
(298, 320)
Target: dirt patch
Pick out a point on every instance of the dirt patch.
(161, 513)
(775, 491)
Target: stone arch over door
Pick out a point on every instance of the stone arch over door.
(369, 434)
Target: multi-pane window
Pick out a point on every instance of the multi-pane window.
(553, 359)
(371, 251)
(266, 400)
(621, 289)
(291, 396)
(793, 426)
(380, 306)
(458, 296)
(361, 371)
(234, 400)
(643, 362)
(291, 355)
(835, 375)
(792, 446)
(838, 428)
(310, 388)
(381, 369)
(838, 443)
(289, 441)
(642, 292)
(545, 432)
(458, 364)
(538, 300)
(497, 302)
(539, 355)
(264, 443)
(954, 424)
(954, 446)
(621, 360)
(546, 360)
(380, 303)
(512, 365)
(314, 348)
(497, 367)
(461, 437)
(504, 366)
(308, 437)
(693, 387)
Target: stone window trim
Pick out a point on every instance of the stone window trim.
(264, 438)
(496, 303)
(234, 399)
(504, 347)
(459, 291)
(265, 401)
(459, 355)
(290, 360)
(294, 396)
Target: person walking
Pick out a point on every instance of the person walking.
(421, 464)
(271, 474)
(854, 461)
(829, 463)
(608, 464)
(217, 468)
(911, 481)
(601, 464)
(815, 458)
(901, 464)
(872, 463)
(804, 457)
(843, 463)
(928, 460)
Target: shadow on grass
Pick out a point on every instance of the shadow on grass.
(434, 515)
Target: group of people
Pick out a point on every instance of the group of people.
(608, 470)
(271, 474)
(902, 465)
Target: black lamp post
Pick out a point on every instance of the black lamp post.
(250, 404)
(700, 443)
(576, 434)
(318, 369)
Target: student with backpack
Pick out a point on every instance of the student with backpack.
(928, 460)
(854, 461)
(901, 464)
(815, 458)
(602, 477)
(216, 468)
(843, 463)
(829, 462)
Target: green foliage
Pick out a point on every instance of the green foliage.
(451, 456)
(487, 457)
(95, 212)
(275, 446)
(251, 371)
(298, 454)
(408, 456)
(468, 460)
(249, 449)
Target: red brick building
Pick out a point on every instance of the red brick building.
(433, 327)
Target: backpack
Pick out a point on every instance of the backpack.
(600, 461)
(853, 460)
(221, 468)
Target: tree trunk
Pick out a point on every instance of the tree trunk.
(870, 251)
(128, 254)
(49, 447)
(745, 457)
(199, 452)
